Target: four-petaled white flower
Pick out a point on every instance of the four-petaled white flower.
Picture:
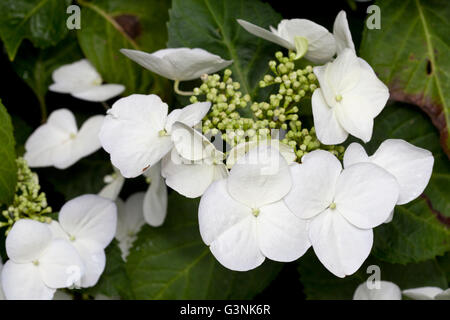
(427, 293)
(193, 164)
(349, 98)
(341, 32)
(137, 131)
(410, 165)
(89, 223)
(343, 205)
(308, 38)
(179, 64)
(59, 143)
(155, 199)
(38, 264)
(386, 291)
(82, 81)
(130, 219)
(243, 218)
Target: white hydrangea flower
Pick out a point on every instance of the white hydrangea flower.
(349, 98)
(243, 218)
(89, 223)
(387, 291)
(179, 64)
(410, 165)
(82, 81)
(241, 149)
(137, 131)
(130, 219)
(193, 164)
(114, 183)
(427, 293)
(343, 205)
(342, 34)
(59, 143)
(155, 199)
(308, 38)
(38, 265)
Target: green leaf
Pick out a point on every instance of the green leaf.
(415, 234)
(172, 262)
(41, 21)
(8, 168)
(35, 66)
(114, 281)
(319, 283)
(110, 25)
(212, 25)
(444, 263)
(410, 55)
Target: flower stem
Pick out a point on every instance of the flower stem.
(176, 88)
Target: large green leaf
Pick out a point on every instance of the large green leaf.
(110, 25)
(41, 21)
(410, 54)
(8, 169)
(211, 25)
(319, 283)
(35, 66)
(114, 281)
(172, 262)
(415, 234)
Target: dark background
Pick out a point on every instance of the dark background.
(22, 104)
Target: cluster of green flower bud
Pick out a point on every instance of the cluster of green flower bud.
(294, 83)
(303, 141)
(28, 201)
(226, 99)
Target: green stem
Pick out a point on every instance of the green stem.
(176, 88)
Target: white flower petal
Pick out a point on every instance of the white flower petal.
(190, 115)
(445, 295)
(281, 235)
(260, 177)
(52, 142)
(22, 281)
(218, 211)
(189, 143)
(366, 194)
(130, 133)
(237, 247)
(60, 265)
(314, 183)
(341, 32)
(131, 218)
(178, 63)
(242, 148)
(189, 179)
(271, 36)
(155, 201)
(100, 93)
(340, 246)
(410, 165)
(85, 143)
(27, 240)
(355, 153)
(386, 291)
(94, 264)
(112, 190)
(328, 129)
(90, 218)
(423, 293)
(79, 75)
(321, 43)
